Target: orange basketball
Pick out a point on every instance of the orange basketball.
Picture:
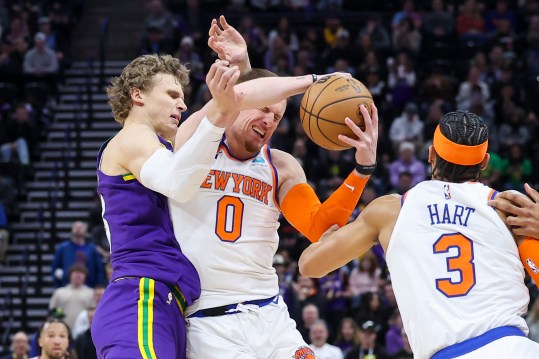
(327, 103)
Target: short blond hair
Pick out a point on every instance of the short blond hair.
(139, 73)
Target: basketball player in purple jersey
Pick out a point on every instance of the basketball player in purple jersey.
(140, 314)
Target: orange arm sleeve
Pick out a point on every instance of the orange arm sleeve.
(529, 255)
(302, 208)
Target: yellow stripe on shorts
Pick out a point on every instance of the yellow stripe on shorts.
(145, 318)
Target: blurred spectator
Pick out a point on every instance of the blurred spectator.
(332, 27)
(342, 49)
(53, 314)
(76, 250)
(406, 37)
(53, 40)
(470, 24)
(285, 276)
(438, 23)
(407, 162)
(532, 319)
(393, 337)
(288, 35)
(10, 62)
(73, 297)
(156, 42)
(401, 79)
(407, 128)
(319, 342)
(277, 51)
(406, 351)
(519, 169)
(41, 63)
(83, 320)
(375, 30)
(371, 309)
(189, 55)
(502, 14)
(466, 88)
(404, 184)
(347, 336)
(256, 39)
(407, 11)
(492, 174)
(363, 278)
(84, 345)
(333, 287)
(20, 347)
(18, 30)
(160, 18)
(20, 137)
(54, 340)
(309, 315)
(513, 130)
(265, 5)
(367, 347)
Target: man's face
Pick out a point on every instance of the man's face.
(20, 345)
(54, 340)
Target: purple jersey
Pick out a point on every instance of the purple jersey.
(139, 229)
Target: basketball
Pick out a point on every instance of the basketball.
(326, 104)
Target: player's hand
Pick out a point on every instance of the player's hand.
(367, 140)
(228, 43)
(221, 80)
(523, 211)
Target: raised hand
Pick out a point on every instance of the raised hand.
(221, 80)
(523, 211)
(367, 140)
(228, 43)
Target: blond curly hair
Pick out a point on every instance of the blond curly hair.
(139, 74)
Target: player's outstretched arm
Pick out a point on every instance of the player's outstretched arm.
(228, 43)
(300, 204)
(251, 94)
(179, 175)
(338, 247)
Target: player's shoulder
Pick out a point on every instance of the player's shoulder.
(282, 159)
(385, 206)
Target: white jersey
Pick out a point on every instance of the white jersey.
(229, 230)
(454, 265)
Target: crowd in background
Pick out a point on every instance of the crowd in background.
(419, 59)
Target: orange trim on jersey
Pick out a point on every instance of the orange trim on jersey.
(458, 154)
(528, 250)
(266, 152)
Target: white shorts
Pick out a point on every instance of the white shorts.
(266, 332)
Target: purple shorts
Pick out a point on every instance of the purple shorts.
(139, 318)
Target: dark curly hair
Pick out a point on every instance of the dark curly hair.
(139, 73)
(463, 128)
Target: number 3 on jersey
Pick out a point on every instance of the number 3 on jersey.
(229, 218)
(461, 263)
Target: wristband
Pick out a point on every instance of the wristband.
(366, 170)
(315, 78)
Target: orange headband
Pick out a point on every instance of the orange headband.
(458, 154)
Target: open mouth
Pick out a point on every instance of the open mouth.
(259, 131)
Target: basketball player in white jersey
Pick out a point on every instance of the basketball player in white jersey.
(454, 264)
(229, 229)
